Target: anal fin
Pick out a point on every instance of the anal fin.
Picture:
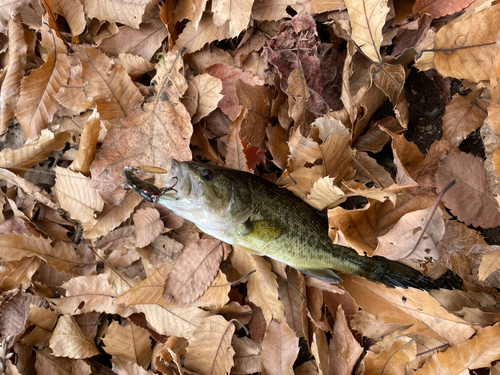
(323, 274)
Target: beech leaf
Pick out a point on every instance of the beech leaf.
(129, 13)
(68, 340)
(37, 103)
(469, 199)
(209, 351)
(279, 349)
(194, 271)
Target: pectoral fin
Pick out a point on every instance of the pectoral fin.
(323, 274)
(265, 230)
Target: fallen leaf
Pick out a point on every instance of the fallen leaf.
(110, 10)
(279, 349)
(237, 13)
(68, 340)
(474, 353)
(469, 198)
(37, 103)
(209, 351)
(193, 272)
(128, 343)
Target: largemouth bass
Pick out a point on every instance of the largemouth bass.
(254, 214)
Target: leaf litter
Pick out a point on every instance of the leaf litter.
(94, 279)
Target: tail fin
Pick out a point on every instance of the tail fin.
(395, 274)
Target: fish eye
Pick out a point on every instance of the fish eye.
(207, 174)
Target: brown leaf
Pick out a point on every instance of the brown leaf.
(73, 13)
(271, 10)
(75, 195)
(194, 37)
(153, 135)
(88, 144)
(440, 8)
(367, 19)
(291, 293)
(209, 351)
(11, 85)
(465, 49)
(408, 306)
(111, 89)
(19, 274)
(262, 286)
(469, 199)
(277, 145)
(463, 115)
(15, 311)
(136, 66)
(344, 349)
(279, 349)
(208, 94)
(14, 246)
(35, 152)
(236, 12)
(128, 343)
(68, 340)
(193, 272)
(129, 13)
(89, 293)
(247, 356)
(46, 363)
(148, 226)
(37, 103)
(142, 42)
(235, 155)
(229, 76)
(489, 264)
(479, 351)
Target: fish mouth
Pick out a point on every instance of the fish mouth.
(181, 182)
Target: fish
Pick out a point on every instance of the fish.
(252, 213)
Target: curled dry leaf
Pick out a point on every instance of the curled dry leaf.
(68, 340)
(128, 343)
(33, 153)
(193, 272)
(469, 199)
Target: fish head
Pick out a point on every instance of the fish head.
(211, 197)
